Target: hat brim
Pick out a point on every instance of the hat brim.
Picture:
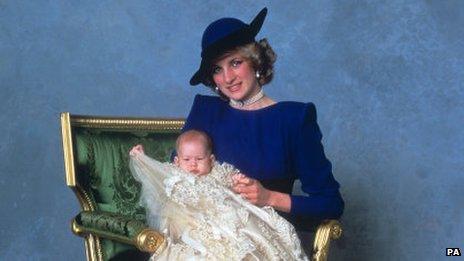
(199, 75)
(225, 44)
(237, 38)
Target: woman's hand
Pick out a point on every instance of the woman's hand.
(137, 150)
(256, 194)
(251, 190)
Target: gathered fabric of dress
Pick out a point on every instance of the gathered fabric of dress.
(203, 219)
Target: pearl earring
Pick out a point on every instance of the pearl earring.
(258, 75)
(216, 89)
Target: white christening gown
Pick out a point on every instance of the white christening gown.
(203, 219)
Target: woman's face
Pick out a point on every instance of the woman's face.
(235, 77)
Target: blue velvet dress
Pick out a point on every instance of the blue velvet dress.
(275, 145)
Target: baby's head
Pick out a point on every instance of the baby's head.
(194, 152)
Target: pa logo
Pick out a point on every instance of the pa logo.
(453, 251)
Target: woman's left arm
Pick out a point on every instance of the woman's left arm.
(314, 170)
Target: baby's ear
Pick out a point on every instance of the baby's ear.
(176, 160)
(212, 157)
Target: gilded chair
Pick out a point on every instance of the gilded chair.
(96, 165)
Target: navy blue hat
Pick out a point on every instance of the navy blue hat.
(223, 35)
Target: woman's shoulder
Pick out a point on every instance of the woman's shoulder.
(298, 111)
(295, 105)
(202, 108)
(201, 100)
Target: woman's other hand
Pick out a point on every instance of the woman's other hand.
(137, 150)
(256, 194)
(251, 190)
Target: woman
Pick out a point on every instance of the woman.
(273, 143)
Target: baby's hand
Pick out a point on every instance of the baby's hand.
(136, 150)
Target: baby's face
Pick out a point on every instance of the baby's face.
(193, 157)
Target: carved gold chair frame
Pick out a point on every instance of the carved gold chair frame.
(147, 240)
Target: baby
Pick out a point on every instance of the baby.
(194, 152)
(203, 217)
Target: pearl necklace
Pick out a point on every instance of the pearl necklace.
(251, 100)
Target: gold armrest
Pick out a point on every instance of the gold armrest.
(147, 240)
(326, 231)
(151, 241)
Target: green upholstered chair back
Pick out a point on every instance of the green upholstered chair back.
(97, 166)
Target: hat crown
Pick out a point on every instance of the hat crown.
(220, 29)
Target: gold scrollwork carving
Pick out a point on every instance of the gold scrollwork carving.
(151, 241)
(328, 230)
(335, 230)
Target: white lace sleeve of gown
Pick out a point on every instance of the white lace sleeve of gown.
(223, 172)
(167, 193)
(151, 174)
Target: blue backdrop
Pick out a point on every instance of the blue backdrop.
(386, 76)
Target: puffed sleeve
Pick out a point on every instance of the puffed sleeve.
(196, 118)
(314, 171)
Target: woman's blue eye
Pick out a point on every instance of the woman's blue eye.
(216, 70)
(236, 63)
